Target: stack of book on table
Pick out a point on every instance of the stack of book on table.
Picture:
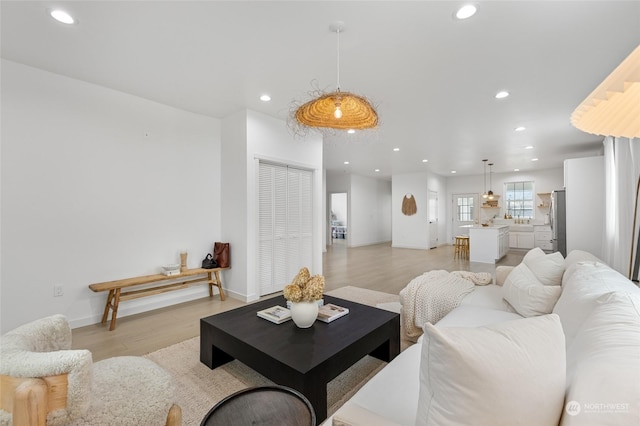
(330, 312)
(275, 314)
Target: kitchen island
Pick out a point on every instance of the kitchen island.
(488, 244)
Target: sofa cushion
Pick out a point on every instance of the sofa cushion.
(548, 268)
(392, 393)
(351, 414)
(489, 297)
(498, 375)
(573, 258)
(589, 281)
(603, 365)
(528, 296)
(475, 316)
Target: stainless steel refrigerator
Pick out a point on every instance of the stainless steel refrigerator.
(558, 221)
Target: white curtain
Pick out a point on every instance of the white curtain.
(622, 168)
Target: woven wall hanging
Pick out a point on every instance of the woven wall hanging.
(409, 207)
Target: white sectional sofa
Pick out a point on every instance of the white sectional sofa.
(567, 355)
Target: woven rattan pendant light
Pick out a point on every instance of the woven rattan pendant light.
(338, 109)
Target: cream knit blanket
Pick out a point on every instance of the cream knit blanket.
(432, 295)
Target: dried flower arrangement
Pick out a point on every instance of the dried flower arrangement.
(304, 287)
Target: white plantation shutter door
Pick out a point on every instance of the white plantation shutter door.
(284, 224)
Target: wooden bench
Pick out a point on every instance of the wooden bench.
(185, 279)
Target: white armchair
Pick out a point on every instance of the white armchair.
(44, 382)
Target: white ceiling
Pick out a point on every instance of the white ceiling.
(432, 77)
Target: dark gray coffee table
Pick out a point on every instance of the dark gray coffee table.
(303, 359)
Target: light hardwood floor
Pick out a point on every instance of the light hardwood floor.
(377, 267)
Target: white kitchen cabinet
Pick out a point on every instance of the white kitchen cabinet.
(542, 234)
(488, 244)
(503, 241)
(521, 240)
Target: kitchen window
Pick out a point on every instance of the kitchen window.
(519, 199)
(465, 209)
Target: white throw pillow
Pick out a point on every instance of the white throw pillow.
(511, 373)
(603, 365)
(527, 295)
(579, 293)
(548, 268)
(532, 254)
(574, 257)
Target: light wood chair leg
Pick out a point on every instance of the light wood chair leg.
(219, 284)
(30, 404)
(174, 418)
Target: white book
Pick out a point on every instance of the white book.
(275, 314)
(330, 312)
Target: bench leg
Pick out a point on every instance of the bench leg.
(105, 316)
(210, 283)
(218, 283)
(114, 309)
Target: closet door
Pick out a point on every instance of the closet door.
(300, 225)
(284, 224)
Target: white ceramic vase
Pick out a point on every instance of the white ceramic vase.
(304, 314)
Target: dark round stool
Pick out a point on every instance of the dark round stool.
(262, 405)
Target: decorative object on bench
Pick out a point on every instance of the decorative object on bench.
(44, 381)
(208, 262)
(162, 284)
(221, 254)
(304, 293)
(183, 261)
(171, 269)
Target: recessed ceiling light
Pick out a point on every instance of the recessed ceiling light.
(453, 171)
(520, 128)
(425, 161)
(265, 98)
(501, 95)
(534, 159)
(346, 162)
(466, 11)
(396, 149)
(528, 147)
(516, 170)
(376, 170)
(62, 16)
(351, 131)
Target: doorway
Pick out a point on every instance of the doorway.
(464, 215)
(433, 219)
(339, 218)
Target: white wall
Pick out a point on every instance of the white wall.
(98, 185)
(585, 185)
(339, 208)
(234, 201)
(335, 183)
(439, 184)
(370, 208)
(410, 231)
(247, 137)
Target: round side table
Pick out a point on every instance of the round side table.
(262, 405)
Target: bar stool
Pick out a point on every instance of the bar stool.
(461, 247)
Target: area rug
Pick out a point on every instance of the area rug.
(200, 388)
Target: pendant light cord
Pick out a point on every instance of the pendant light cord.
(338, 56)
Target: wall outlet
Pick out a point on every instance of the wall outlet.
(57, 291)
